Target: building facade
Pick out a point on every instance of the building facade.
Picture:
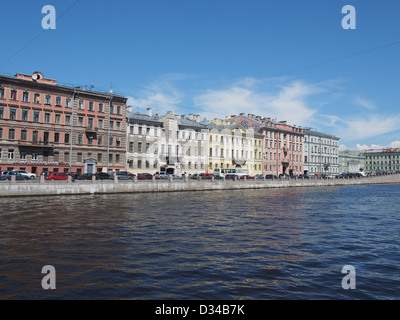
(231, 145)
(321, 153)
(351, 161)
(382, 160)
(171, 143)
(48, 127)
(282, 144)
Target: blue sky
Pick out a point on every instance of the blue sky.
(286, 59)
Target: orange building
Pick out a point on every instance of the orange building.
(47, 127)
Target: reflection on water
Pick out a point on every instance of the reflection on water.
(245, 244)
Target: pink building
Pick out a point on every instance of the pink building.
(283, 144)
(48, 127)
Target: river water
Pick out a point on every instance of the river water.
(246, 244)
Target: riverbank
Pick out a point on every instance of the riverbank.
(26, 189)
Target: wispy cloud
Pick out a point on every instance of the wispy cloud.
(161, 95)
(249, 95)
(369, 105)
(356, 129)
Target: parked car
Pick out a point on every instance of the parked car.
(270, 176)
(205, 176)
(162, 175)
(74, 175)
(6, 175)
(103, 176)
(124, 175)
(26, 173)
(259, 177)
(304, 176)
(246, 177)
(144, 176)
(56, 176)
(230, 177)
(176, 177)
(217, 176)
(85, 176)
(283, 176)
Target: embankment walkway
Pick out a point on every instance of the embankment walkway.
(54, 188)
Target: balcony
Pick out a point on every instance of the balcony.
(91, 129)
(35, 144)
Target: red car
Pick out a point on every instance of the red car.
(57, 176)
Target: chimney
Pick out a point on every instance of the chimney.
(149, 112)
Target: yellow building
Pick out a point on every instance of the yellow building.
(233, 146)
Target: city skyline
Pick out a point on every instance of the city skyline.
(286, 60)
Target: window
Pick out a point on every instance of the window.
(110, 141)
(25, 97)
(68, 103)
(100, 123)
(36, 98)
(66, 138)
(99, 156)
(22, 155)
(80, 121)
(24, 116)
(56, 137)
(118, 110)
(1, 113)
(81, 105)
(2, 93)
(47, 99)
(90, 140)
(111, 125)
(80, 139)
(36, 116)
(57, 119)
(130, 146)
(47, 117)
(91, 106)
(1, 134)
(100, 140)
(139, 147)
(118, 127)
(101, 107)
(13, 95)
(35, 155)
(56, 156)
(139, 164)
(90, 123)
(58, 101)
(117, 158)
(118, 142)
(67, 119)
(10, 154)
(35, 136)
(112, 109)
(46, 136)
(79, 157)
(11, 134)
(13, 114)
(24, 135)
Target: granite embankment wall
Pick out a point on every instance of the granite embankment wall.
(24, 189)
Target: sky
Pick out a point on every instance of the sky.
(290, 60)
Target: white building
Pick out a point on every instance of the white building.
(321, 153)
